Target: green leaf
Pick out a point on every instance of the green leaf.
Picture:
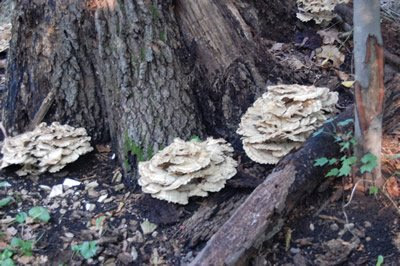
(345, 122)
(24, 245)
(5, 201)
(332, 161)
(345, 170)
(195, 138)
(344, 145)
(21, 217)
(373, 190)
(4, 184)
(39, 213)
(5, 254)
(7, 262)
(15, 242)
(87, 249)
(321, 161)
(333, 172)
(379, 261)
(369, 163)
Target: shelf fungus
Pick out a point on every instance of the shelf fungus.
(282, 119)
(188, 168)
(46, 148)
(317, 10)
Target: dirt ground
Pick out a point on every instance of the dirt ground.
(131, 228)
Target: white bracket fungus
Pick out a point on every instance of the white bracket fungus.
(186, 169)
(318, 10)
(282, 119)
(5, 36)
(46, 148)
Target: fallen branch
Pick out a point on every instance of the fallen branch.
(261, 216)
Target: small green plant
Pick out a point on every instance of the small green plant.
(130, 147)
(23, 246)
(373, 190)
(195, 138)
(379, 261)
(6, 201)
(21, 217)
(39, 213)
(87, 249)
(342, 166)
(6, 258)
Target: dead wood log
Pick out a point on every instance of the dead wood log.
(263, 212)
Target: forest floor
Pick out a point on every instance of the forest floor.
(131, 228)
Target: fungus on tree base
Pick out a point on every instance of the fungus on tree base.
(318, 10)
(188, 168)
(282, 119)
(46, 148)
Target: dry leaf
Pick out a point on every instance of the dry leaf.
(348, 84)
(318, 10)
(392, 187)
(103, 148)
(329, 36)
(342, 75)
(147, 227)
(330, 53)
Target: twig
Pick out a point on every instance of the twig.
(43, 109)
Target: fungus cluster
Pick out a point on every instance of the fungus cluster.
(188, 168)
(318, 10)
(46, 148)
(282, 119)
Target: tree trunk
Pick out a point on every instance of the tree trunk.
(142, 72)
(369, 86)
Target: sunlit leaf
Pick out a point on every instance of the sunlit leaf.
(21, 217)
(87, 249)
(332, 161)
(369, 163)
(379, 261)
(39, 213)
(5, 201)
(321, 161)
(348, 84)
(333, 172)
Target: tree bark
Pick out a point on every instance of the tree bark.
(369, 86)
(142, 72)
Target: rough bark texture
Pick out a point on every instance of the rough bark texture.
(369, 87)
(144, 77)
(142, 72)
(52, 48)
(233, 63)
